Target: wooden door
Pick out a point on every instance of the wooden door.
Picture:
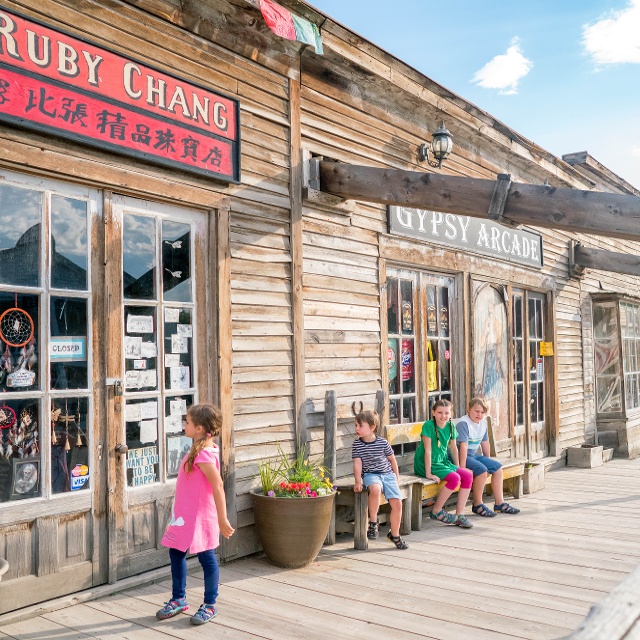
(158, 349)
(528, 331)
(538, 443)
(51, 460)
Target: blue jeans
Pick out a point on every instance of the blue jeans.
(209, 564)
(387, 481)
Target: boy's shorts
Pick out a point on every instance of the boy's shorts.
(479, 464)
(387, 481)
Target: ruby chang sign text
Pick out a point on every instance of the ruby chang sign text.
(53, 82)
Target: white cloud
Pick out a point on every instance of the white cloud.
(505, 71)
(615, 38)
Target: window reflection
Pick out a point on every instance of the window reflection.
(176, 264)
(20, 211)
(139, 257)
(68, 343)
(68, 243)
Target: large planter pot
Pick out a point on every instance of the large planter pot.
(292, 530)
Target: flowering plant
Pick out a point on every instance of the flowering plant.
(299, 478)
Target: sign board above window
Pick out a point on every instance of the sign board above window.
(58, 84)
(469, 234)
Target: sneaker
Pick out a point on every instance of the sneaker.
(172, 608)
(398, 541)
(205, 613)
(372, 531)
(461, 521)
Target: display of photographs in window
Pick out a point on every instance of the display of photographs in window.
(69, 445)
(178, 343)
(139, 257)
(19, 440)
(20, 213)
(68, 346)
(68, 243)
(176, 261)
(142, 458)
(19, 342)
(140, 349)
(177, 444)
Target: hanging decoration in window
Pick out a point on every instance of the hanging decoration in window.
(16, 327)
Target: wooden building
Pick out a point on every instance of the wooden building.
(159, 246)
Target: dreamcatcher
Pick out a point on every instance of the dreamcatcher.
(27, 436)
(17, 330)
(16, 327)
(7, 422)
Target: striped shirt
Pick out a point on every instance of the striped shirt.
(374, 455)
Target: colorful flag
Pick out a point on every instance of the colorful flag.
(284, 24)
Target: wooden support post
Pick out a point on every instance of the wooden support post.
(606, 260)
(610, 214)
(416, 507)
(360, 520)
(330, 434)
(381, 400)
(299, 388)
(405, 523)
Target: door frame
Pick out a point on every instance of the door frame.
(120, 562)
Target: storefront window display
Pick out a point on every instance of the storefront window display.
(616, 332)
(44, 343)
(419, 343)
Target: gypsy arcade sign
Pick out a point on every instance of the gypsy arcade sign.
(470, 234)
(52, 82)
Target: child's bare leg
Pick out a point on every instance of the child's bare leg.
(443, 496)
(395, 517)
(374, 501)
(496, 486)
(478, 488)
(463, 496)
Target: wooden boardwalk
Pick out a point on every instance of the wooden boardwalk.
(534, 575)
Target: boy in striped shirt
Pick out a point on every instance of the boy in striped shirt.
(376, 469)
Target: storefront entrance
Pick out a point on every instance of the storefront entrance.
(103, 345)
(156, 291)
(516, 397)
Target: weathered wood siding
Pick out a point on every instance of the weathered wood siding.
(361, 106)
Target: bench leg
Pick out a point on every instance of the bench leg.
(516, 487)
(361, 520)
(416, 507)
(405, 523)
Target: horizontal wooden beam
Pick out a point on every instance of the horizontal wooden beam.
(606, 260)
(595, 212)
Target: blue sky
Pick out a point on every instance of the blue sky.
(563, 73)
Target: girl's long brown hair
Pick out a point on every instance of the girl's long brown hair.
(442, 403)
(209, 417)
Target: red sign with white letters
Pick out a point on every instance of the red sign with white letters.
(53, 82)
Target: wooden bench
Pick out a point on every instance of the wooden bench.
(348, 499)
(427, 490)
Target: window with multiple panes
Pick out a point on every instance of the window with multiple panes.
(159, 314)
(419, 343)
(630, 330)
(616, 338)
(45, 339)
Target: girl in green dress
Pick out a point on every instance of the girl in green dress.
(431, 461)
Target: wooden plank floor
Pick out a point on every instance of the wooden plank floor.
(534, 575)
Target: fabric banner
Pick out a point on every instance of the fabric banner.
(284, 24)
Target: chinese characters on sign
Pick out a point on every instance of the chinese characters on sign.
(50, 81)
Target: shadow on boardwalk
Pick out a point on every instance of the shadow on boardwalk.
(534, 575)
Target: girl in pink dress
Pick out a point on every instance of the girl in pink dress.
(198, 515)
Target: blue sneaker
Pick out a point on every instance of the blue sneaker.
(172, 608)
(205, 613)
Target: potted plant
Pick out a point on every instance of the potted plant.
(292, 509)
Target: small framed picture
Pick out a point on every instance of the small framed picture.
(25, 478)
(175, 453)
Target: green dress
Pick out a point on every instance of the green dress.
(441, 466)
